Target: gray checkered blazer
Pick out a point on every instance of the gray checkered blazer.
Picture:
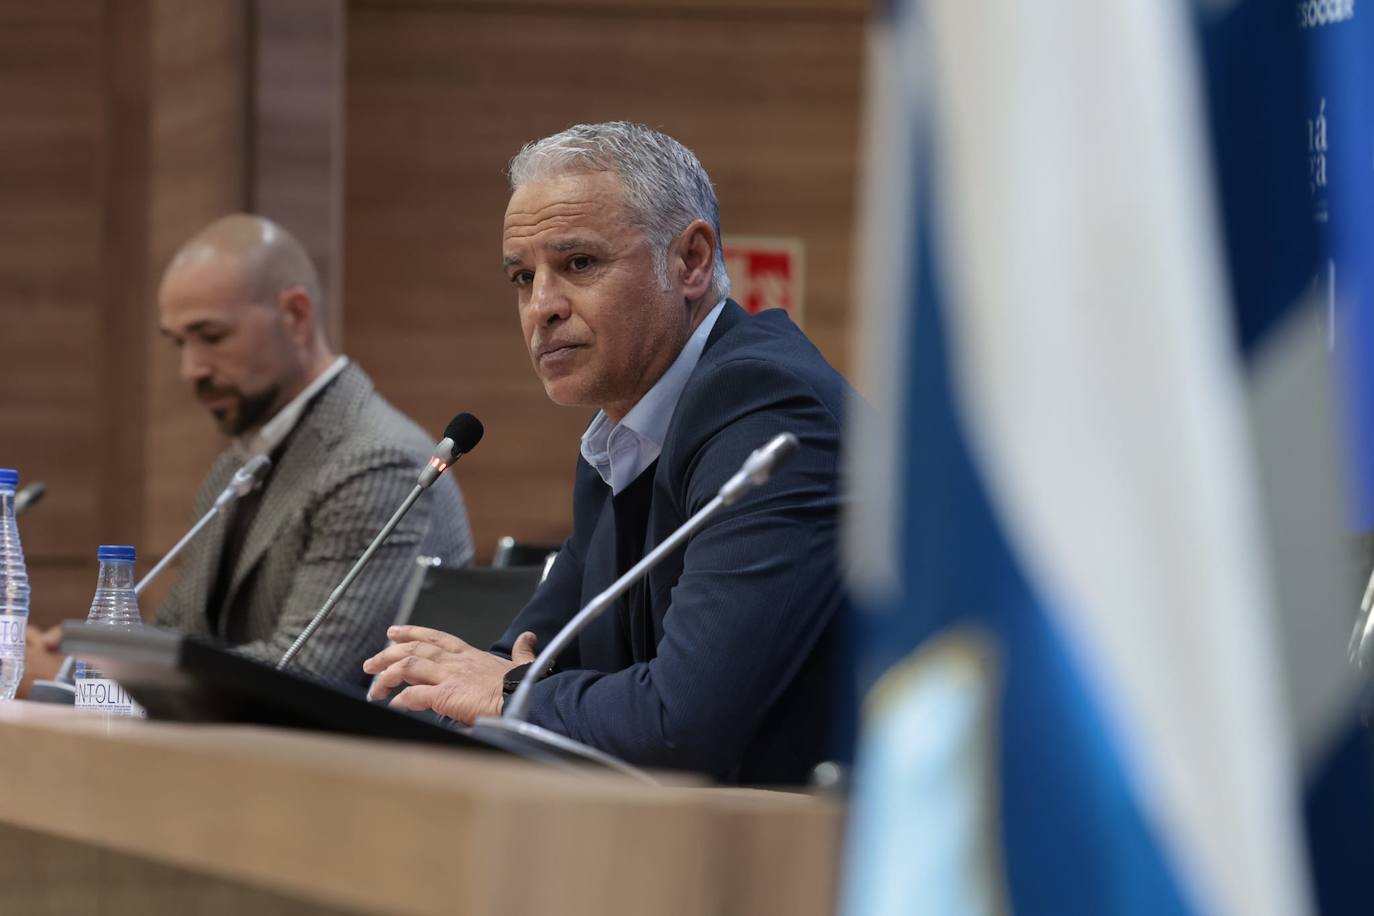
(350, 461)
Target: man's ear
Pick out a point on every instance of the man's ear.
(298, 311)
(697, 250)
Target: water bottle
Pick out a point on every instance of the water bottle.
(14, 590)
(116, 605)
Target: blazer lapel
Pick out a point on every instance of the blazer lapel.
(285, 495)
(732, 314)
(289, 488)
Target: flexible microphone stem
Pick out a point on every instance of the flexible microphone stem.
(460, 437)
(758, 467)
(323, 613)
(520, 700)
(177, 548)
(245, 480)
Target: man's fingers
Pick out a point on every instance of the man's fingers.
(52, 636)
(414, 699)
(410, 670)
(446, 641)
(455, 697)
(394, 653)
(523, 651)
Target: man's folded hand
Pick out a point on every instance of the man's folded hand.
(445, 674)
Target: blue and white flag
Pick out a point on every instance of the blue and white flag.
(1338, 41)
(1076, 603)
(1337, 44)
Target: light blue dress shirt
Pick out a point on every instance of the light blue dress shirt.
(621, 451)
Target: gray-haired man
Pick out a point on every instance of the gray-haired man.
(722, 659)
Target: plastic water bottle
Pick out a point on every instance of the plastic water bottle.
(14, 590)
(116, 605)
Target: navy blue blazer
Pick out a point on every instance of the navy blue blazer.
(723, 660)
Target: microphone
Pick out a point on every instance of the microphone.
(460, 437)
(756, 470)
(29, 496)
(245, 480)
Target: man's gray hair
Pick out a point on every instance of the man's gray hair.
(665, 186)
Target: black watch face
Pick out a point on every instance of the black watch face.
(513, 678)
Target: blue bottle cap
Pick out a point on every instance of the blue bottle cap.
(9, 478)
(116, 552)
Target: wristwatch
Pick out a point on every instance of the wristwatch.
(513, 678)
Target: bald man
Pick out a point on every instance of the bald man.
(241, 302)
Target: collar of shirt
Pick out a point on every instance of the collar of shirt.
(272, 433)
(621, 451)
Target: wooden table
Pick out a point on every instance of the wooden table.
(116, 816)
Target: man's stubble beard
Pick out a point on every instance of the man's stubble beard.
(252, 411)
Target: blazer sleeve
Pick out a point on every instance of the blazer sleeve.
(759, 583)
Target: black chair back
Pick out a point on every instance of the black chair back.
(476, 604)
(510, 552)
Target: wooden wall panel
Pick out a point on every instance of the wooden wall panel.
(296, 156)
(195, 171)
(440, 95)
(53, 423)
(123, 132)
(675, 9)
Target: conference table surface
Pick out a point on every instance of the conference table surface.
(121, 816)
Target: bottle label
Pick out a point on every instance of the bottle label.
(105, 695)
(12, 635)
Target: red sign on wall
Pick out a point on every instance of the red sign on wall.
(766, 273)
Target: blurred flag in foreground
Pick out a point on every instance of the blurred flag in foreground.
(1102, 605)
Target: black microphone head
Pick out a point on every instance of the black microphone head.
(466, 431)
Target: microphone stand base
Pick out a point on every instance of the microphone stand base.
(537, 743)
